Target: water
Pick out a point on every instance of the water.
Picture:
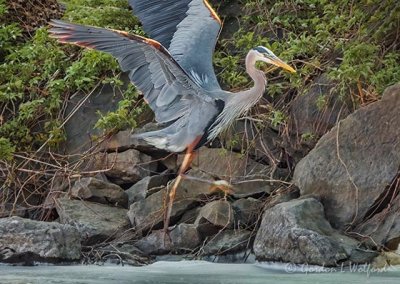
(188, 272)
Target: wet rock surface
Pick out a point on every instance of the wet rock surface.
(297, 232)
(25, 241)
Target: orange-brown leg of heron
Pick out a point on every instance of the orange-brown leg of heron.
(189, 156)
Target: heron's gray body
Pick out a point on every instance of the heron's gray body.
(174, 69)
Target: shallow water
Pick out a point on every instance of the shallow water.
(197, 272)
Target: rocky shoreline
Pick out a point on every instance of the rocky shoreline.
(342, 205)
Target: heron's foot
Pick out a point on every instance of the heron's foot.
(222, 185)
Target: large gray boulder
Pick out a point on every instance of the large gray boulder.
(25, 241)
(95, 222)
(125, 167)
(352, 165)
(297, 232)
(96, 190)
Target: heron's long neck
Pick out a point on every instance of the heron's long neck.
(239, 103)
(244, 100)
(257, 75)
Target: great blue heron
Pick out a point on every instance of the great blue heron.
(174, 72)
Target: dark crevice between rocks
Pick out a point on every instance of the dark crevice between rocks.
(385, 199)
(31, 259)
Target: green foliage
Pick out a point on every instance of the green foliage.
(6, 149)
(124, 116)
(277, 117)
(39, 75)
(114, 14)
(354, 42)
(8, 33)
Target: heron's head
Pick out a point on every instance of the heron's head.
(267, 56)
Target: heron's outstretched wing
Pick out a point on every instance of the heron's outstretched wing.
(170, 92)
(189, 29)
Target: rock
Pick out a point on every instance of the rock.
(80, 128)
(95, 222)
(183, 238)
(351, 166)
(247, 211)
(318, 110)
(228, 241)
(126, 167)
(95, 190)
(281, 195)
(246, 137)
(215, 216)
(146, 187)
(124, 140)
(149, 213)
(297, 232)
(189, 217)
(384, 227)
(227, 165)
(25, 241)
(258, 188)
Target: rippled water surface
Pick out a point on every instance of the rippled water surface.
(197, 272)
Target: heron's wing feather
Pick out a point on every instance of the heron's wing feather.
(164, 84)
(189, 29)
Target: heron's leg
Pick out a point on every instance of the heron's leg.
(189, 156)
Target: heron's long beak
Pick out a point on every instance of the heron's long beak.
(285, 66)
